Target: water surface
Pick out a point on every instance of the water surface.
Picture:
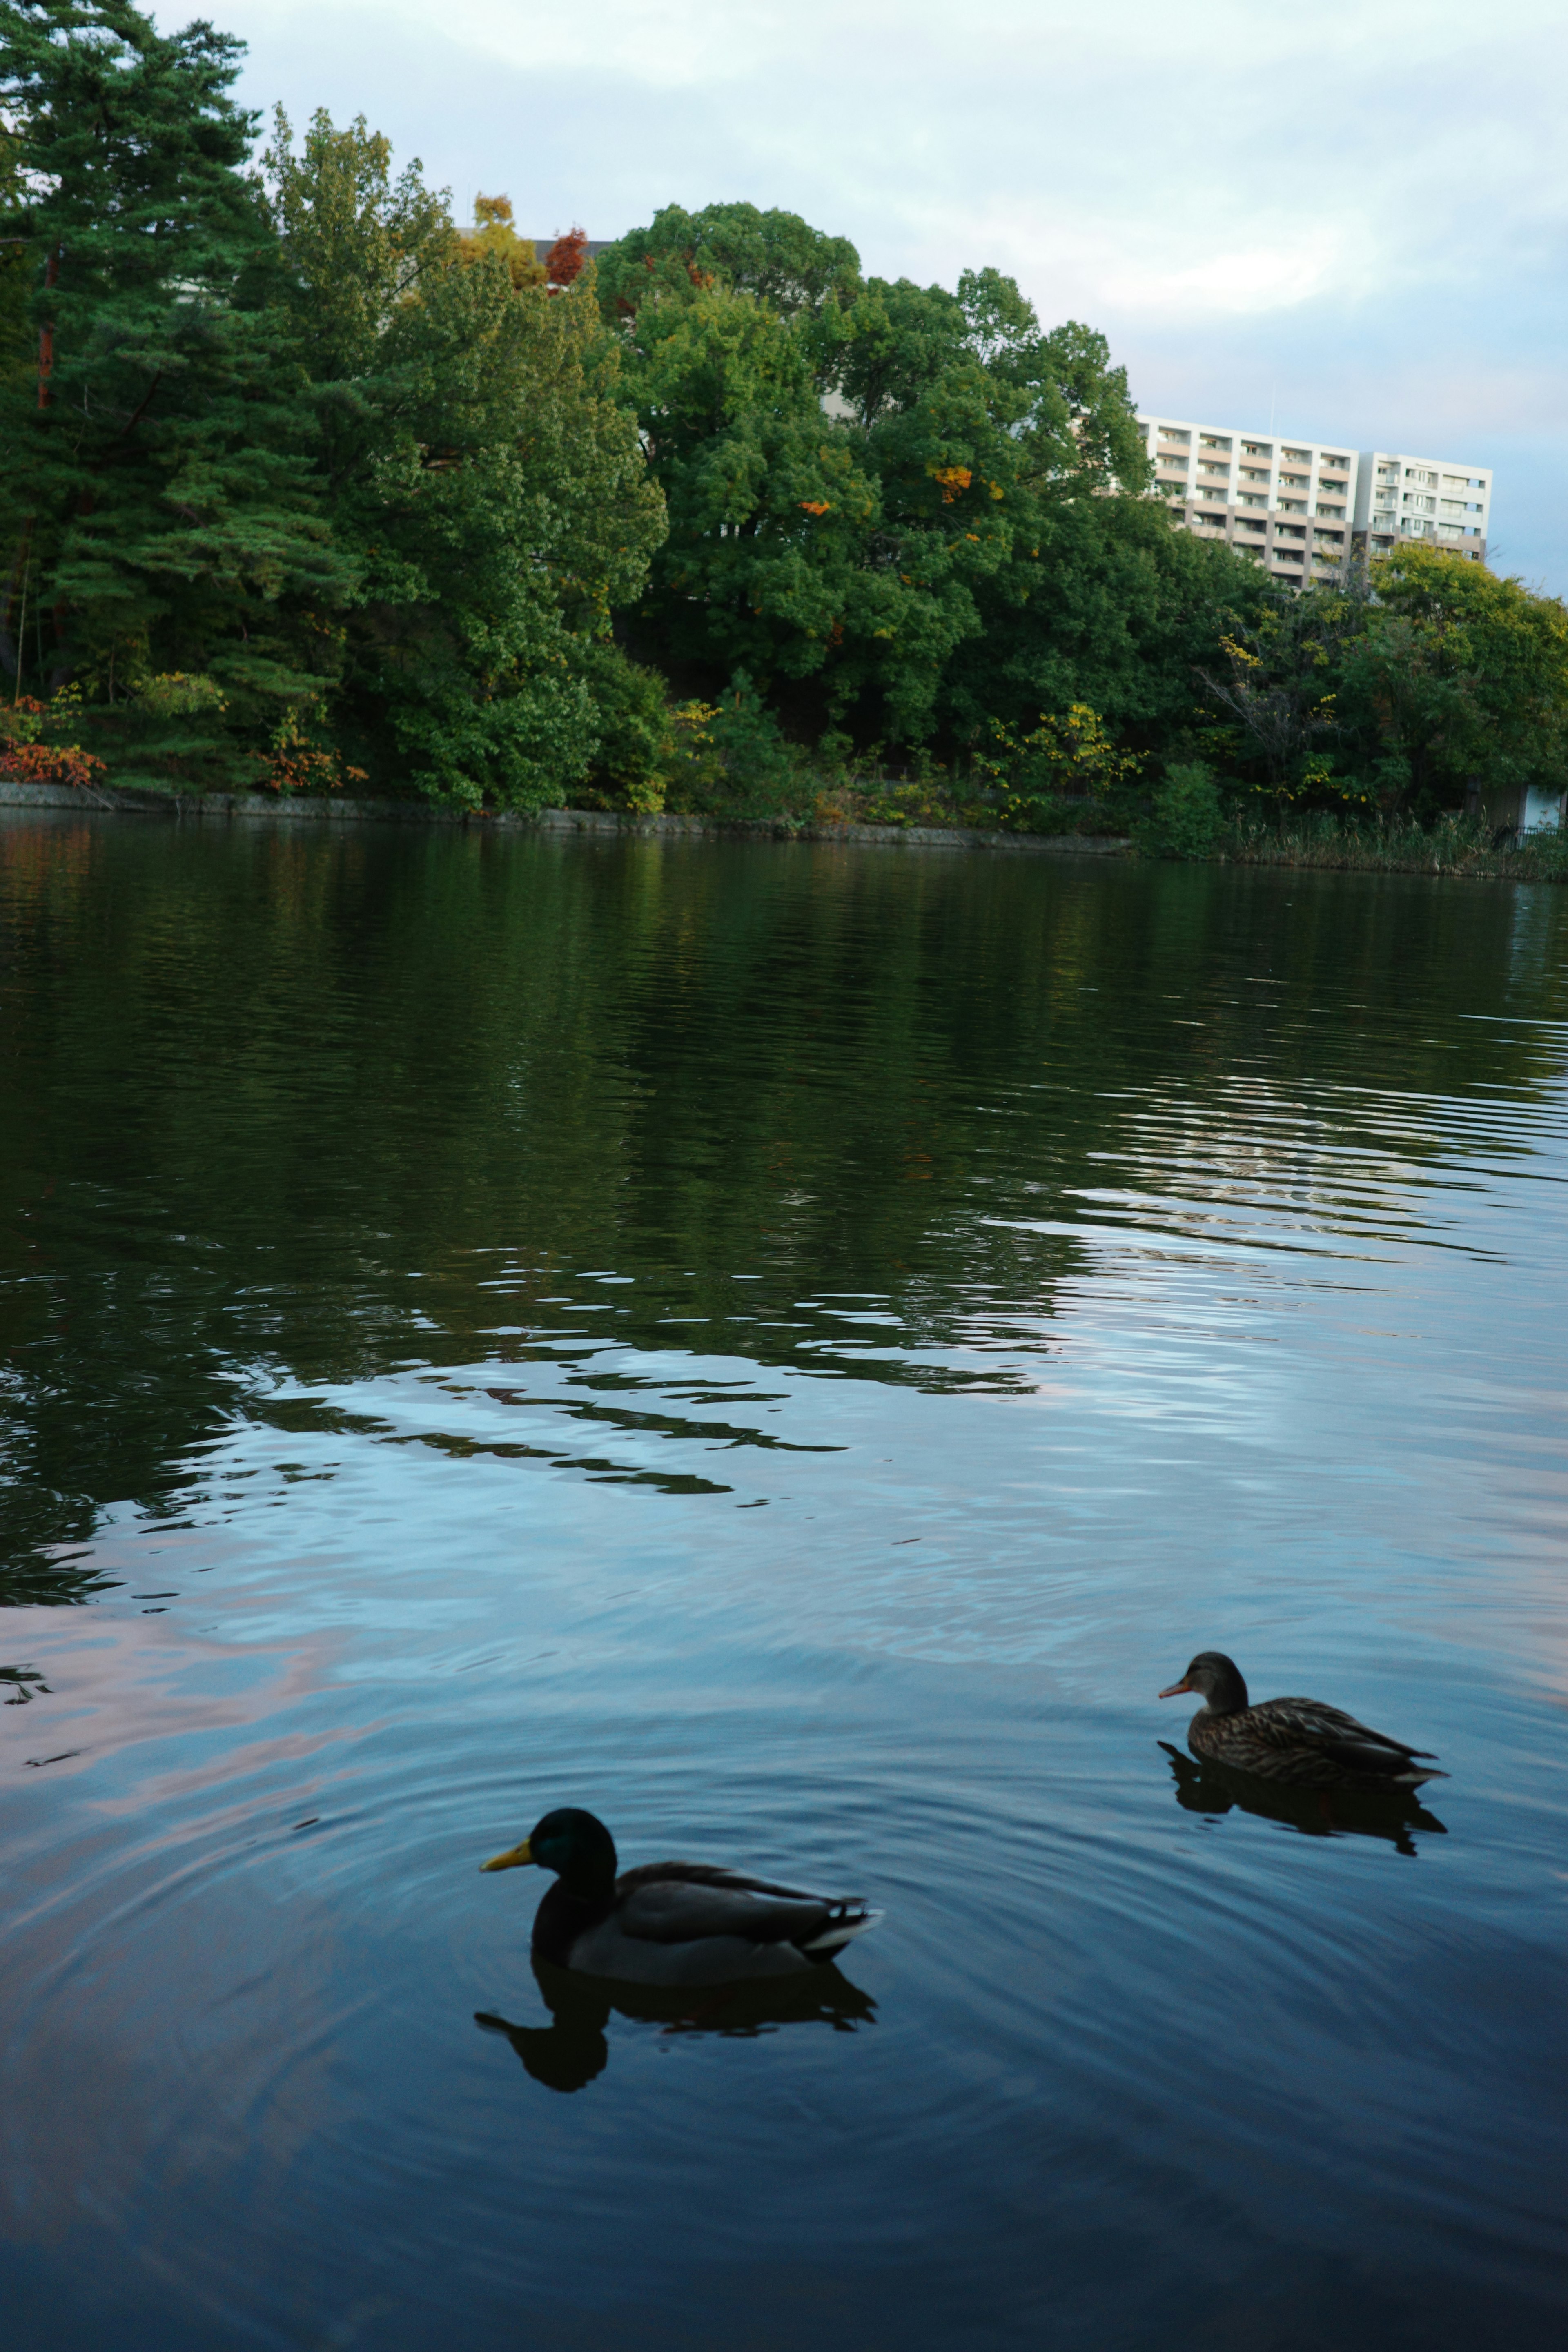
(791, 1347)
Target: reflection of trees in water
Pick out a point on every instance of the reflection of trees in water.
(304, 1102)
(567, 2054)
(1215, 1789)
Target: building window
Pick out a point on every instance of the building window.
(1418, 474)
(1213, 441)
(1174, 432)
(1388, 473)
(1244, 522)
(1251, 498)
(1292, 506)
(1327, 460)
(1419, 504)
(1336, 513)
(1257, 448)
(1209, 465)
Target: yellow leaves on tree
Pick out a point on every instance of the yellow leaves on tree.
(493, 232)
(1067, 753)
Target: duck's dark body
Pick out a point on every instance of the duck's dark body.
(673, 1923)
(1299, 1741)
(691, 1923)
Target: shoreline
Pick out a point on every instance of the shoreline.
(1256, 847)
(344, 809)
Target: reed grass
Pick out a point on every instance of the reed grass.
(1452, 845)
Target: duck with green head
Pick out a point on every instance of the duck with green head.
(1299, 1740)
(671, 1923)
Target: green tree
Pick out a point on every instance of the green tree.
(159, 497)
(492, 496)
(890, 504)
(792, 267)
(1279, 680)
(1460, 680)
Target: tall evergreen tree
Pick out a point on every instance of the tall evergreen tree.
(164, 528)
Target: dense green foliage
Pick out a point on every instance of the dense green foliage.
(306, 484)
(298, 485)
(1426, 682)
(890, 505)
(157, 501)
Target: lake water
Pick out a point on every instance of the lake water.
(790, 1348)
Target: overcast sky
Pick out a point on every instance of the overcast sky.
(1349, 215)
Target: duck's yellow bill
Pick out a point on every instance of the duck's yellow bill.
(1175, 1692)
(512, 1859)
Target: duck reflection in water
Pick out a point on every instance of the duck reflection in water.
(1214, 1788)
(567, 2054)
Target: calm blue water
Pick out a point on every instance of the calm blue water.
(791, 1348)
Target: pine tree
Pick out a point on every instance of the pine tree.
(166, 543)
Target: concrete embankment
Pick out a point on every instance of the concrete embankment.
(342, 809)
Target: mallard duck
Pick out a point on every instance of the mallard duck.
(1299, 1740)
(671, 1923)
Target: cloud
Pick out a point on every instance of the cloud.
(1352, 209)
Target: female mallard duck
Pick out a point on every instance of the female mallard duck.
(671, 1923)
(1296, 1740)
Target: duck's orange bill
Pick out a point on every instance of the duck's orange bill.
(512, 1859)
(1175, 1692)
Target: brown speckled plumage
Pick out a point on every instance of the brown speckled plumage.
(1302, 1741)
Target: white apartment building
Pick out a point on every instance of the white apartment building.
(1422, 498)
(1302, 507)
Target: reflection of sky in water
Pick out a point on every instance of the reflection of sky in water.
(733, 1340)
